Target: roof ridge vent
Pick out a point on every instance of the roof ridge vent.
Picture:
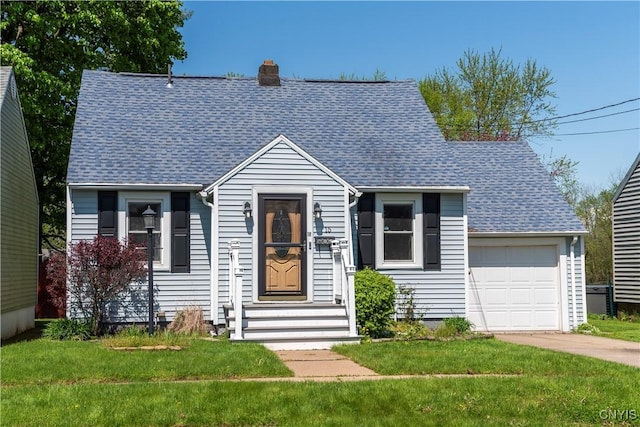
(268, 74)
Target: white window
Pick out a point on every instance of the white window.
(399, 230)
(131, 206)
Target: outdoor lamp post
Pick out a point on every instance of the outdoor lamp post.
(149, 217)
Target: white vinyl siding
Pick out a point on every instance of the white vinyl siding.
(174, 291)
(580, 284)
(279, 169)
(440, 294)
(626, 240)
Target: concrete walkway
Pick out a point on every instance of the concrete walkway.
(613, 350)
(323, 365)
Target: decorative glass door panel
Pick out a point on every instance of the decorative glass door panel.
(282, 239)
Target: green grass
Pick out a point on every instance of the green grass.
(614, 328)
(527, 401)
(47, 383)
(47, 362)
(478, 356)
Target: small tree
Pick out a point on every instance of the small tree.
(92, 274)
(595, 209)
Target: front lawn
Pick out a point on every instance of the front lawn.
(477, 356)
(48, 383)
(43, 361)
(613, 328)
(471, 401)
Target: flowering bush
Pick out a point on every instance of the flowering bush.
(92, 274)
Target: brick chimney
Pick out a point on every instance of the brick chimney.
(268, 74)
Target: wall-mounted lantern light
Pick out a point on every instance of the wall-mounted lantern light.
(247, 210)
(317, 211)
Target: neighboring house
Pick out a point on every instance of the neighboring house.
(18, 215)
(271, 192)
(626, 241)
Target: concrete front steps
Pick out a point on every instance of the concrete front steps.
(292, 326)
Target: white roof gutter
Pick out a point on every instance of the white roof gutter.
(414, 189)
(136, 186)
(527, 234)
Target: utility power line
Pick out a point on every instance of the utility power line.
(593, 133)
(459, 127)
(586, 111)
(598, 117)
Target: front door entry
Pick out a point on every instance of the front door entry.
(282, 246)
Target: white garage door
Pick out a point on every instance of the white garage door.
(514, 288)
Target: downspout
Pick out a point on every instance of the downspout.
(574, 299)
(202, 196)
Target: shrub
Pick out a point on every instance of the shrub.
(626, 317)
(445, 330)
(375, 301)
(137, 336)
(410, 330)
(92, 274)
(459, 324)
(587, 329)
(67, 329)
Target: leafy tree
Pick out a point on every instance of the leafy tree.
(595, 211)
(563, 171)
(49, 44)
(489, 98)
(377, 76)
(93, 274)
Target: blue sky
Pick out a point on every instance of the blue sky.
(591, 48)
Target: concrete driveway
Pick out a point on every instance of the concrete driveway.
(609, 349)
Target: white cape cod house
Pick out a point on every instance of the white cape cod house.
(271, 192)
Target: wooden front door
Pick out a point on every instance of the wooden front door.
(282, 246)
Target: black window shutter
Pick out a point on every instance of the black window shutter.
(108, 213)
(431, 227)
(180, 260)
(366, 230)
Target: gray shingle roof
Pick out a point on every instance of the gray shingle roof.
(133, 129)
(511, 191)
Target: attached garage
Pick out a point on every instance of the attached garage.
(525, 258)
(520, 284)
(514, 288)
